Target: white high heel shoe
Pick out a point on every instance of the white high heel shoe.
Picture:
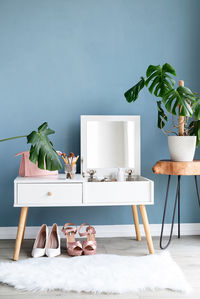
(53, 244)
(40, 242)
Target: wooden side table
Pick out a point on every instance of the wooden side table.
(179, 169)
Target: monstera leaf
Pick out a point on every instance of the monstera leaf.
(196, 107)
(160, 79)
(42, 150)
(181, 98)
(194, 130)
(131, 95)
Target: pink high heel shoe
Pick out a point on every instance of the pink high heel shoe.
(74, 248)
(90, 245)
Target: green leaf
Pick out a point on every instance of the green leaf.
(196, 108)
(186, 100)
(162, 81)
(194, 130)
(162, 117)
(151, 69)
(167, 68)
(186, 91)
(131, 95)
(42, 150)
(181, 97)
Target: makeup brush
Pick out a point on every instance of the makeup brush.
(63, 155)
(71, 156)
(76, 160)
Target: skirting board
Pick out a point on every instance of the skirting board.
(105, 231)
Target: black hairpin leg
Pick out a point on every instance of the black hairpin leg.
(179, 209)
(177, 198)
(195, 178)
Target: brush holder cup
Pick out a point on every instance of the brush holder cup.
(70, 170)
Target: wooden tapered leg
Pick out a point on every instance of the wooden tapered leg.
(146, 228)
(20, 232)
(24, 226)
(137, 224)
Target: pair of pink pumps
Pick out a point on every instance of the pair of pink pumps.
(76, 248)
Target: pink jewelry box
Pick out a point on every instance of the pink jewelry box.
(28, 168)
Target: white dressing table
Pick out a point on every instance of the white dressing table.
(57, 191)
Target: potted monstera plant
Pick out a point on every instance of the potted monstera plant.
(178, 109)
(41, 152)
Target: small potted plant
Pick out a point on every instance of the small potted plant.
(41, 152)
(180, 103)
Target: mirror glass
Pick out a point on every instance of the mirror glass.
(110, 144)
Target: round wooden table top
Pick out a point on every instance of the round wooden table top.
(177, 168)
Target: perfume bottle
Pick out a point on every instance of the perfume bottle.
(120, 175)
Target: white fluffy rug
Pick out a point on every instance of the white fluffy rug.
(99, 273)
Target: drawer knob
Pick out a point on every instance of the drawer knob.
(49, 193)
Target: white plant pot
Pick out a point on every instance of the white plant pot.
(182, 148)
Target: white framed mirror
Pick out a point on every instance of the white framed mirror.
(109, 143)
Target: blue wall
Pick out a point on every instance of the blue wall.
(61, 59)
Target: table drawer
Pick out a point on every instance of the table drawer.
(119, 193)
(48, 194)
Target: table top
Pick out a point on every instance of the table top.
(177, 168)
(60, 178)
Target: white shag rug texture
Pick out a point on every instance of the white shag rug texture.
(101, 273)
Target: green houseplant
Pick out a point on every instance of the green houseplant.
(178, 102)
(41, 151)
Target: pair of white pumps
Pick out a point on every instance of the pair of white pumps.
(44, 245)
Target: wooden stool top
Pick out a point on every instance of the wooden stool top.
(177, 168)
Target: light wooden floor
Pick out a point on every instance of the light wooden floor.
(185, 251)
